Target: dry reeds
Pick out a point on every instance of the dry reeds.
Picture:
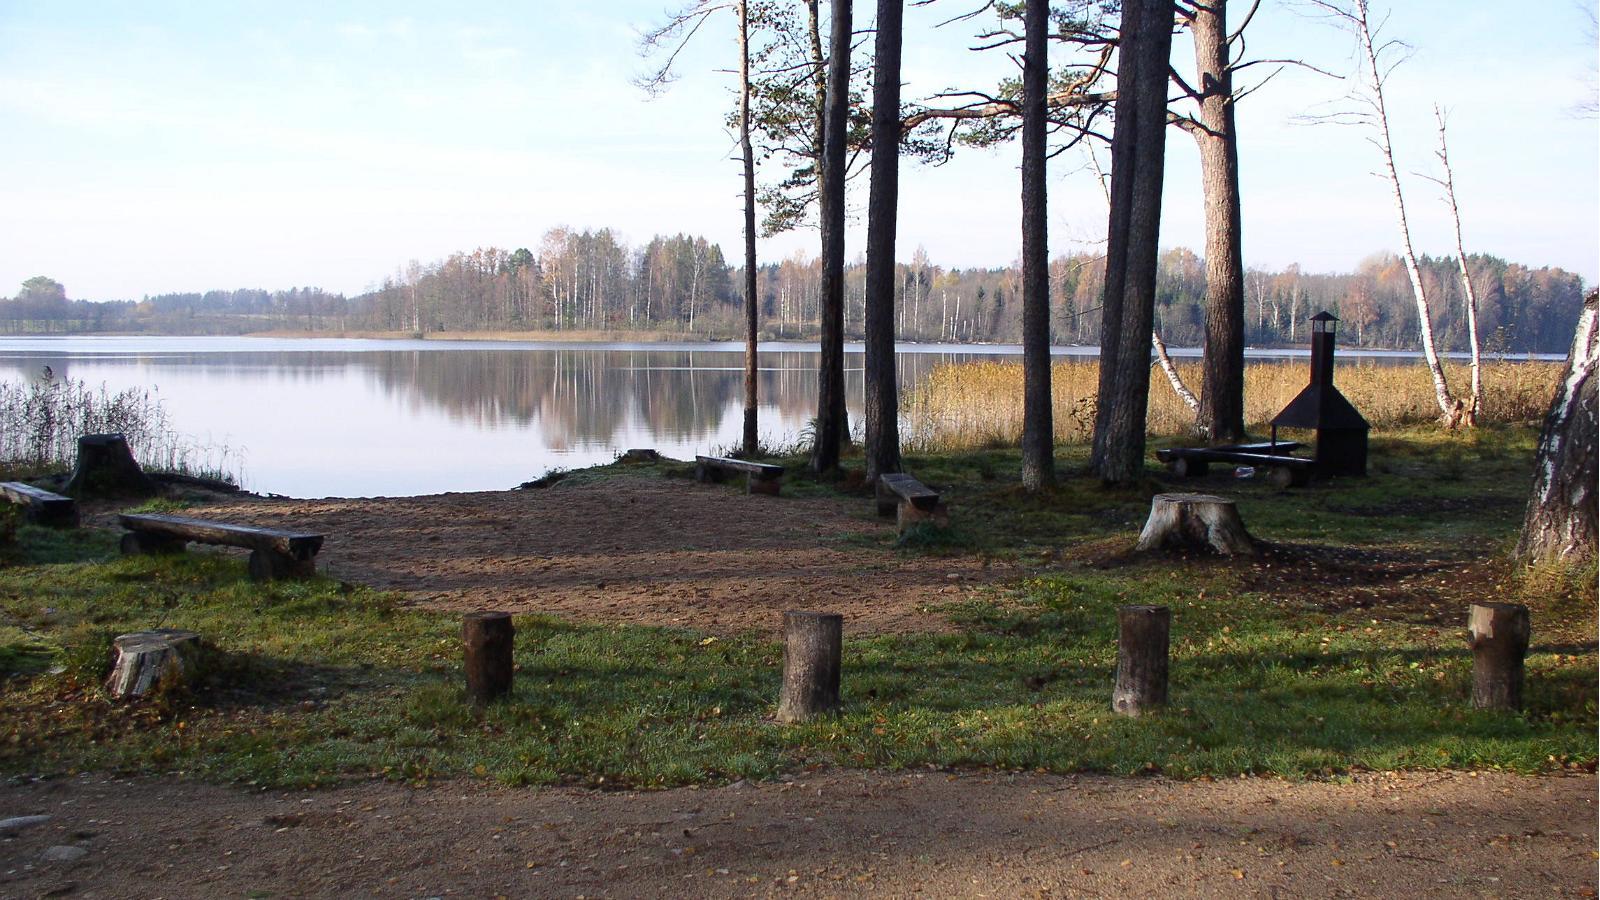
(974, 405)
(41, 421)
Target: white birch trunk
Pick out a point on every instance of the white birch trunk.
(1165, 361)
(1475, 404)
(1450, 410)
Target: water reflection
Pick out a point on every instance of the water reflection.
(315, 418)
(322, 418)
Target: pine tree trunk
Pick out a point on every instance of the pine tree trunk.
(1560, 523)
(1038, 432)
(831, 425)
(751, 438)
(1221, 416)
(882, 395)
(1120, 424)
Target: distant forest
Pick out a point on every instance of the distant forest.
(591, 281)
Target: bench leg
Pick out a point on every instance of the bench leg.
(768, 486)
(909, 515)
(268, 566)
(886, 500)
(1189, 468)
(137, 544)
(707, 474)
(53, 516)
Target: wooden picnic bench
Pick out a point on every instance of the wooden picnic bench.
(909, 500)
(1282, 468)
(273, 553)
(764, 477)
(42, 506)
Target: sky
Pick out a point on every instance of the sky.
(173, 146)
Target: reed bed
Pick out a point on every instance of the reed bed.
(41, 421)
(965, 406)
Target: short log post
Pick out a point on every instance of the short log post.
(489, 638)
(1195, 522)
(812, 650)
(1498, 634)
(1143, 634)
(106, 468)
(147, 661)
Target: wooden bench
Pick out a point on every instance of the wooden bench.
(764, 477)
(43, 507)
(273, 553)
(1282, 469)
(909, 500)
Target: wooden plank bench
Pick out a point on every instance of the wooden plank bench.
(909, 500)
(1283, 470)
(764, 477)
(43, 507)
(273, 553)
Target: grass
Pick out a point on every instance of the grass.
(1340, 649)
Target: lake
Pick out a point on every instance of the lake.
(351, 418)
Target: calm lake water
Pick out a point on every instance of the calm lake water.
(351, 418)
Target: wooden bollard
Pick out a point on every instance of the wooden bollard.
(1498, 634)
(812, 650)
(1142, 638)
(489, 638)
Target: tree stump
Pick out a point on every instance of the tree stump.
(1143, 634)
(640, 455)
(489, 638)
(106, 468)
(1498, 634)
(812, 650)
(150, 661)
(1195, 522)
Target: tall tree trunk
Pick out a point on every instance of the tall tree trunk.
(1475, 403)
(1560, 523)
(831, 429)
(751, 440)
(1450, 410)
(1138, 157)
(1221, 416)
(882, 395)
(1038, 432)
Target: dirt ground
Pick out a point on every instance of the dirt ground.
(930, 834)
(638, 550)
(674, 553)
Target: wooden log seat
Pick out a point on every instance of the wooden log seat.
(764, 477)
(273, 553)
(910, 501)
(42, 507)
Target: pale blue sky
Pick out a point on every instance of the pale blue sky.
(167, 146)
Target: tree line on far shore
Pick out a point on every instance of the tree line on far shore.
(593, 281)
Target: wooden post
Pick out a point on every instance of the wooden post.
(489, 638)
(812, 650)
(1142, 640)
(1498, 634)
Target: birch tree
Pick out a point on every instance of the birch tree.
(1474, 406)
(1377, 61)
(1560, 522)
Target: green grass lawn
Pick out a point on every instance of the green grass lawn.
(1340, 648)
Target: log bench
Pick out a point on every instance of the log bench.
(909, 500)
(42, 507)
(764, 477)
(1283, 470)
(273, 553)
